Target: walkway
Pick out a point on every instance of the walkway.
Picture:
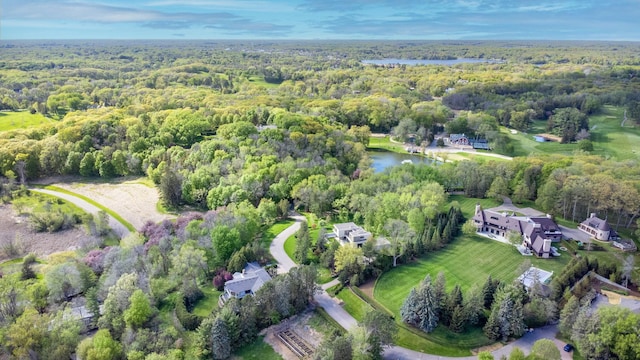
(322, 298)
(396, 352)
(115, 225)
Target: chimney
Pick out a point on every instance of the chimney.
(592, 215)
(546, 247)
(549, 217)
(243, 272)
(478, 208)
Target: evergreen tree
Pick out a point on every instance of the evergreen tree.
(303, 244)
(220, 342)
(488, 291)
(457, 319)
(473, 304)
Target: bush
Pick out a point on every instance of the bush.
(27, 272)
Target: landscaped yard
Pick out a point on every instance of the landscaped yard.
(469, 260)
(11, 120)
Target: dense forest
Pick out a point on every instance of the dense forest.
(239, 133)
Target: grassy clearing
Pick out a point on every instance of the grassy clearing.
(37, 202)
(259, 80)
(468, 205)
(258, 350)
(99, 206)
(208, 302)
(12, 120)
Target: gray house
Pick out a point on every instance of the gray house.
(245, 283)
(350, 232)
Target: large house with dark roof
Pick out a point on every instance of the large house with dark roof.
(598, 228)
(537, 232)
(245, 283)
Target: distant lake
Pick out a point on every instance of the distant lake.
(384, 159)
(429, 62)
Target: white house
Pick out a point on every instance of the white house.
(351, 232)
(245, 283)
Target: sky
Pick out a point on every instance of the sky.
(321, 19)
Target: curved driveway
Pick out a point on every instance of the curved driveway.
(396, 352)
(117, 227)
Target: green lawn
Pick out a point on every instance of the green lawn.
(11, 120)
(467, 261)
(258, 350)
(274, 230)
(290, 247)
(384, 143)
(208, 302)
(353, 304)
(609, 138)
(259, 80)
(468, 205)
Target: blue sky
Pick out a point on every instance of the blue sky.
(320, 19)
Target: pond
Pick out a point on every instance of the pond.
(384, 159)
(430, 62)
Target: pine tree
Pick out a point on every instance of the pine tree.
(429, 307)
(488, 291)
(409, 312)
(220, 342)
(457, 319)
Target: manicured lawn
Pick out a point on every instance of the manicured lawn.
(258, 350)
(353, 304)
(274, 230)
(468, 205)
(467, 261)
(290, 247)
(11, 120)
(609, 138)
(208, 302)
(384, 143)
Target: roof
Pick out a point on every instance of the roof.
(252, 278)
(345, 226)
(546, 224)
(456, 137)
(597, 223)
(502, 220)
(528, 277)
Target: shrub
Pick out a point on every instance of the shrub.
(188, 320)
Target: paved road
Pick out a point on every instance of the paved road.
(117, 227)
(396, 352)
(277, 246)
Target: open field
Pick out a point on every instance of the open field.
(209, 302)
(133, 201)
(15, 229)
(609, 138)
(11, 120)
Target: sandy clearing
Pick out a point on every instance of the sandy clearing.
(134, 202)
(14, 227)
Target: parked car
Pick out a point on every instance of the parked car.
(568, 348)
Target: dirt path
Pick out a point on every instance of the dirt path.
(135, 202)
